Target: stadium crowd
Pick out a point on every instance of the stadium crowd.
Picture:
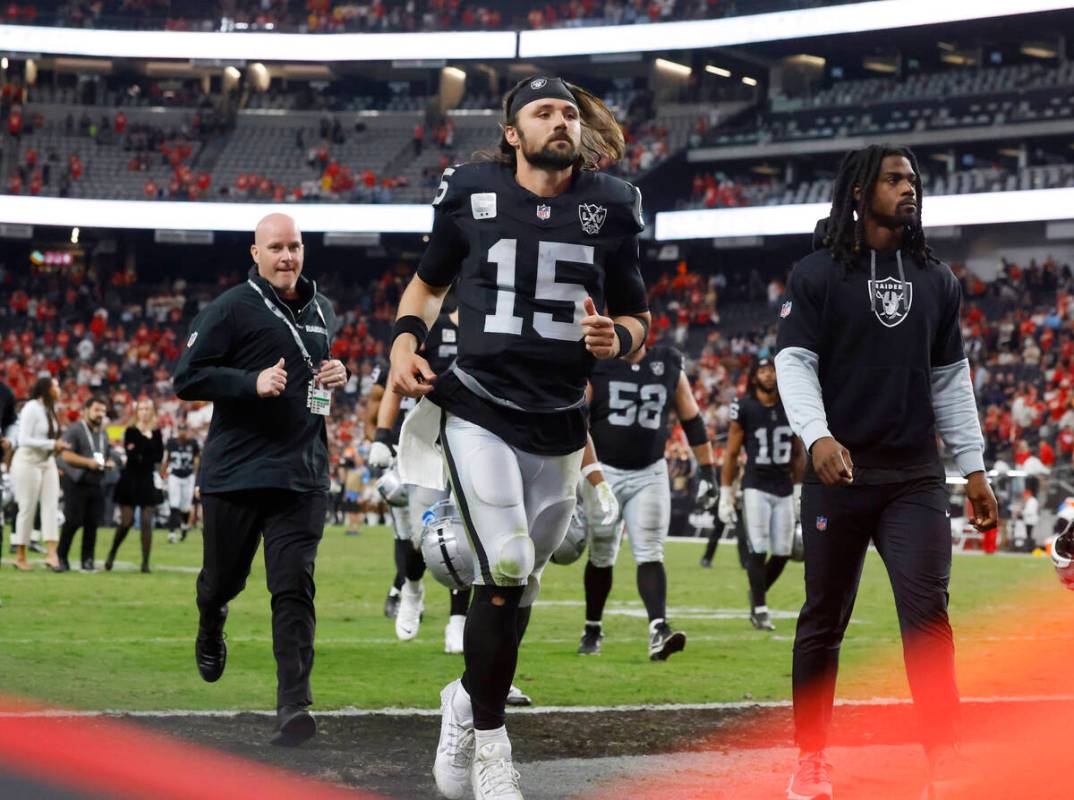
(113, 336)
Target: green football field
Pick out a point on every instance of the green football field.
(124, 640)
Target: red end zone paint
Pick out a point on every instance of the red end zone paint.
(105, 757)
(1023, 647)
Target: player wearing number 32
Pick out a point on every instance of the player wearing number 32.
(538, 244)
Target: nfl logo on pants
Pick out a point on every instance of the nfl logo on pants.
(822, 523)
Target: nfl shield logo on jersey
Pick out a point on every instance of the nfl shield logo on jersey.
(822, 523)
(890, 299)
(592, 217)
(785, 310)
(544, 212)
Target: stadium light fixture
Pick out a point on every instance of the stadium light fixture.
(985, 208)
(455, 72)
(746, 79)
(723, 73)
(831, 20)
(3, 62)
(673, 66)
(168, 215)
(258, 46)
(74, 235)
(1038, 50)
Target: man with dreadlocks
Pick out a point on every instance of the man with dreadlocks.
(871, 368)
(771, 484)
(543, 251)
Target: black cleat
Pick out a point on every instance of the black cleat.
(590, 644)
(663, 642)
(706, 562)
(391, 605)
(210, 652)
(294, 725)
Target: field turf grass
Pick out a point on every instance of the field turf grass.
(124, 640)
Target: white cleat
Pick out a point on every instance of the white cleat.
(411, 606)
(453, 634)
(517, 697)
(455, 751)
(493, 775)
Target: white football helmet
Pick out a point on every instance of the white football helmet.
(446, 547)
(798, 545)
(392, 489)
(1062, 546)
(573, 544)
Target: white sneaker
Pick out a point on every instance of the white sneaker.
(455, 751)
(411, 605)
(453, 634)
(173, 538)
(493, 775)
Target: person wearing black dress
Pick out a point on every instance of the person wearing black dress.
(144, 449)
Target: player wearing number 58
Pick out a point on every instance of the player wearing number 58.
(543, 251)
(260, 353)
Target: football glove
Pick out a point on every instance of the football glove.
(726, 511)
(708, 487)
(381, 454)
(606, 505)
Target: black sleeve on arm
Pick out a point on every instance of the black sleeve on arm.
(201, 373)
(623, 284)
(802, 313)
(947, 347)
(447, 248)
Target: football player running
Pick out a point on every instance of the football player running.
(539, 244)
(629, 406)
(771, 484)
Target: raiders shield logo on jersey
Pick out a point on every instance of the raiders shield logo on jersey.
(658, 368)
(544, 212)
(592, 217)
(890, 299)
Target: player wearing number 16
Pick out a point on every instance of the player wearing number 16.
(538, 244)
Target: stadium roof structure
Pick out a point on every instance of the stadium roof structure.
(470, 45)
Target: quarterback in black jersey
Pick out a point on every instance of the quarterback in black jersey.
(181, 457)
(543, 252)
(771, 483)
(630, 400)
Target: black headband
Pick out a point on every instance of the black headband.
(539, 88)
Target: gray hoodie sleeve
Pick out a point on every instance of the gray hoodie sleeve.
(799, 390)
(955, 410)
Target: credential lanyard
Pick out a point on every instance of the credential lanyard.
(294, 331)
(100, 442)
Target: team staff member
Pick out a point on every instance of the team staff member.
(86, 460)
(870, 368)
(259, 353)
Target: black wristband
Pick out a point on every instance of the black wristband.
(383, 435)
(626, 341)
(694, 428)
(410, 324)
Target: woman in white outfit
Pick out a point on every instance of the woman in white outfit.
(33, 471)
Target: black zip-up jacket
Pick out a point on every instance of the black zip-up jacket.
(258, 442)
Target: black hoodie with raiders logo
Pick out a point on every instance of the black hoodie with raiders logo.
(884, 341)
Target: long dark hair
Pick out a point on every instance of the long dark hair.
(43, 391)
(845, 229)
(601, 135)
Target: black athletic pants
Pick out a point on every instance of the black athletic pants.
(83, 505)
(292, 524)
(909, 525)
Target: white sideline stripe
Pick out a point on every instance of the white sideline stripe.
(435, 712)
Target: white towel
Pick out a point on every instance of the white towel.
(419, 460)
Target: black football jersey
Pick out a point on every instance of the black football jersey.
(442, 345)
(768, 438)
(380, 378)
(628, 415)
(181, 457)
(523, 266)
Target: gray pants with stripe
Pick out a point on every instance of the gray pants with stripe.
(644, 497)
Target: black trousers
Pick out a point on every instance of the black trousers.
(83, 505)
(909, 525)
(291, 524)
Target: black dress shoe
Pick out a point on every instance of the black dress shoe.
(210, 651)
(65, 566)
(294, 725)
(87, 565)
